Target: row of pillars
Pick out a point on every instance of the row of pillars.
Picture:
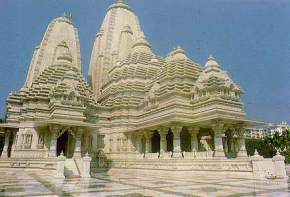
(176, 130)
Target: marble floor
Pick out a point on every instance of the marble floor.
(27, 183)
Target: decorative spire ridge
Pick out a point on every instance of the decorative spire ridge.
(211, 62)
(62, 53)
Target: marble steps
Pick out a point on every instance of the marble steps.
(70, 169)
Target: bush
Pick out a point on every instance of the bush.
(268, 146)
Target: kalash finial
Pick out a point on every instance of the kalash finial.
(67, 15)
(121, 1)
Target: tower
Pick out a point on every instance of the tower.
(59, 30)
(119, 31)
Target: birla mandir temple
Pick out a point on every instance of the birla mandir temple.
(138, 111)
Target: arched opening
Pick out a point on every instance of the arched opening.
(185, 140)
(169, 141)
(65, 144)
(155, 139)
(207, 136)
(11, 138)
(2, 140)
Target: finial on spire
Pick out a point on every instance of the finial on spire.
(67, 15)
(121, 1)
(211, 57)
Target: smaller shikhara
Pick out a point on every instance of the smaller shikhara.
(138, 111)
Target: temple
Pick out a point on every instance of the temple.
(138, 111)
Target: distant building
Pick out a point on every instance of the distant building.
(268, 131)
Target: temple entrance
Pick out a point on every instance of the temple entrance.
(169, 141)
(155, 142)
(185, 140)
(65, 144)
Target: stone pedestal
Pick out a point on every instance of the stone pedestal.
(60, 166)
(280, 168)
(176, 142)
(258, 169)
(86, 166)
(6, 144)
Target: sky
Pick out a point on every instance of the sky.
(249, 38)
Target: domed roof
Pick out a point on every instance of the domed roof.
(120, 4)
(177, 53)
(214, 75)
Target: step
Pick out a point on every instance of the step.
(70, 169)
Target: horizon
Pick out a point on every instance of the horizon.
(254, 49)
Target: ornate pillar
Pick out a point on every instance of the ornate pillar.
(77, 150)
(148, 135)
(163, 142)
(139, 137)
(194, 142)
(242, 152)
(6, 144)
(176, 141)
(130, 146)
(53, 141)
(218, 141)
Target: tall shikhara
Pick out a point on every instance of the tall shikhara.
(119, 31)
(141, 111)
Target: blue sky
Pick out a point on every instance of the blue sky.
(249, 38)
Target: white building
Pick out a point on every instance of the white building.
(139, 110)
(268, 131)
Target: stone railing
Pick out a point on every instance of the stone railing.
(185, 155)
(29, 153)
(204, 155)
(188, 155)
(151, 155)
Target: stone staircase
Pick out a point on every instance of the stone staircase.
(70, 169)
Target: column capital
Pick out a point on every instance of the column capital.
(163, 131)
(147, 134)
(176, 129)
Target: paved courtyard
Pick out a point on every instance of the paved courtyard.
(24, 183)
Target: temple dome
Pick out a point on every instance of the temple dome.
(120, 4)
(214, 76)
(177, 53)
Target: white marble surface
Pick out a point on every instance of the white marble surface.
(28, 183)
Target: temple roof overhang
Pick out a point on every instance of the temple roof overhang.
(204, 122)
(9, 125)
(65, 123)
